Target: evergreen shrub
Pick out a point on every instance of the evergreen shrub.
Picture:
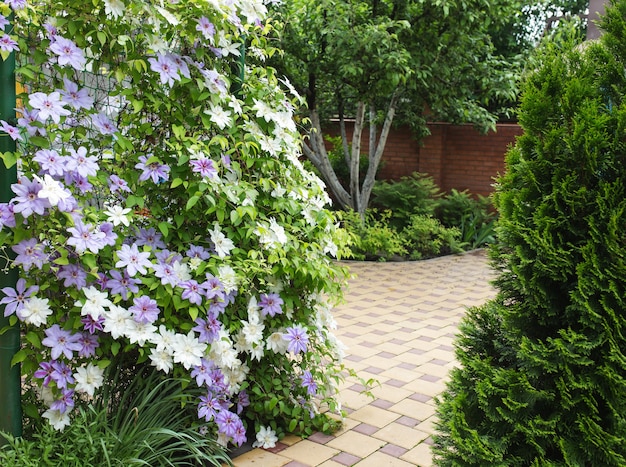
(543, 366)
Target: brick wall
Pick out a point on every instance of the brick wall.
(456, 156)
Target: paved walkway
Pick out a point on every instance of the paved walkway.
(399, 324)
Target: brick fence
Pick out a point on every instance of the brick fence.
(456, 156)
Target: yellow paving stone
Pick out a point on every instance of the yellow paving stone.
(428, 425)
(354, 400)
(426, 387)
(260, 458)
(420, 456)
(390, 393)
(356, 443)
(380, 459)
(308, 452)
(374, 416)
(331, 463)
(393, 348)
(401, 435)
(432, 369)
(290, 440)
(403, 374)
(413, 409)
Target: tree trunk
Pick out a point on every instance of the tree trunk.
(355, 184)
(376, 156)
(316, 152)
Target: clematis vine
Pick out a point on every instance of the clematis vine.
(160, 213)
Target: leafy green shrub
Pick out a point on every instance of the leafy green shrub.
(338, 161)
(555, 396)
(425, 237)
(454, 206)
(472, 215)
(412, 195)
(373, 238)
(152, 421)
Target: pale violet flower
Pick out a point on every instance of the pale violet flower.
(68, 53)
(35, 311)
(52, 190)
(118, 215)
(133, 260)
(265, 438)
(88, 378)
(223, 245)
(48, 106)
(57, 419)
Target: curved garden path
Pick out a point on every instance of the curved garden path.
(399, 323)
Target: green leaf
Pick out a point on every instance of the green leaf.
(19, 357)
(39, 141)
(115, 347)
(102, 37)
(192, 202)
(137, 106)
(292, 424)
(164, 228)
(9, 158)
(176, 182)
(33, 338)
(133, 200)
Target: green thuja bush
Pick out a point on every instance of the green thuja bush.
(542, 380)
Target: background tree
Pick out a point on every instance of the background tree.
(544, 365)
(374, 59)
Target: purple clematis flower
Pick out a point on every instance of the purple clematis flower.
(27, 201)
(154, 170)
(15, 297)
(270, 304)
(29, 253)
(145, 309)
(68, 53)
(61, 341)
(297, 339)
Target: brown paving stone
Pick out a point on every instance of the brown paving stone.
(344, 458)
(393, 450)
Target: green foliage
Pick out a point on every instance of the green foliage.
(338, 160)
(543, 366)
(152, 422)
(413, 195)
(472, 215)
(425, 237)
(373, 237)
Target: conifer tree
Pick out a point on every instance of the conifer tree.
(542, 380)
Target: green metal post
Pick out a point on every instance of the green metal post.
(10, 388)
